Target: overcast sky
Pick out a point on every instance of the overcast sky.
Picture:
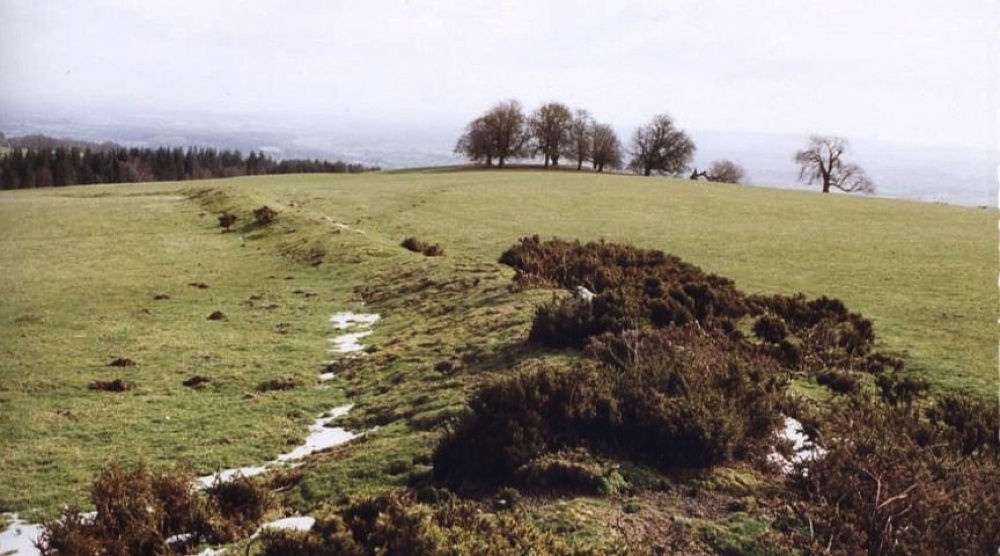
(918, 71)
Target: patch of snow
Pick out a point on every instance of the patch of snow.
(297, 523)
(18, 539)
(584, 294)
(227, 475)
(803, 448)
(347, 319)
(321, 437)
(349, 343)
(211, 552)
(178, 539)
(327, 377)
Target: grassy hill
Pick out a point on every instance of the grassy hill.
(95, 273)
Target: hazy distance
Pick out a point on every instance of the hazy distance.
(911, 84)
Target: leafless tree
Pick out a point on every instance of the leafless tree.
(550, 128)
(607, 149)
(822, 162)
(581, 137)
(500, 133)
(660, 147)
(476, 144)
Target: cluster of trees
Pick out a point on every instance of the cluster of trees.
(555, 132)
(25, 168)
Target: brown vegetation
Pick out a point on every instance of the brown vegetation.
(422, 247)
(138, 511)
(116, 385)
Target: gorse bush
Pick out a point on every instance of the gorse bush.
(892, 483)
(638, 288)
(670, 398)
(138, 511)
(397, 524)
(632, 286)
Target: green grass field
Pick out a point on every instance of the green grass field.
(82, 265)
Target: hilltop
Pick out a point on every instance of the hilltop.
(85, 266)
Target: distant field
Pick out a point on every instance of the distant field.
(81, 267)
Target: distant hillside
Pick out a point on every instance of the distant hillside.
(41, 142)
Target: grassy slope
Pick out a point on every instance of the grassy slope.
(81, 266)
(924, 273)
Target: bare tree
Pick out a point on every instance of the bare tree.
(476, 143)
(822, 162)
(550, 128)
(581, 137)
(500, 133)
(660, 147)
(606, 148)
(725, 171)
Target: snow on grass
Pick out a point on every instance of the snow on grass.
(18, 539)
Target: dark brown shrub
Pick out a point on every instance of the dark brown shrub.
(770, 329)
(397, 524)
(672, 398)
(970, 425)
(841, 382)
(264, 215)
(901, 390)
(888, 486)
(633, 288)
(137, 511)
(226, 220)
(241, 502)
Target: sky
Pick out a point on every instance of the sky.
(920, 72)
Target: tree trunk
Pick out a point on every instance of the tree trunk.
(579, 165)
(500, 161)
(546, 161)
(648, 171)
(555, 161)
